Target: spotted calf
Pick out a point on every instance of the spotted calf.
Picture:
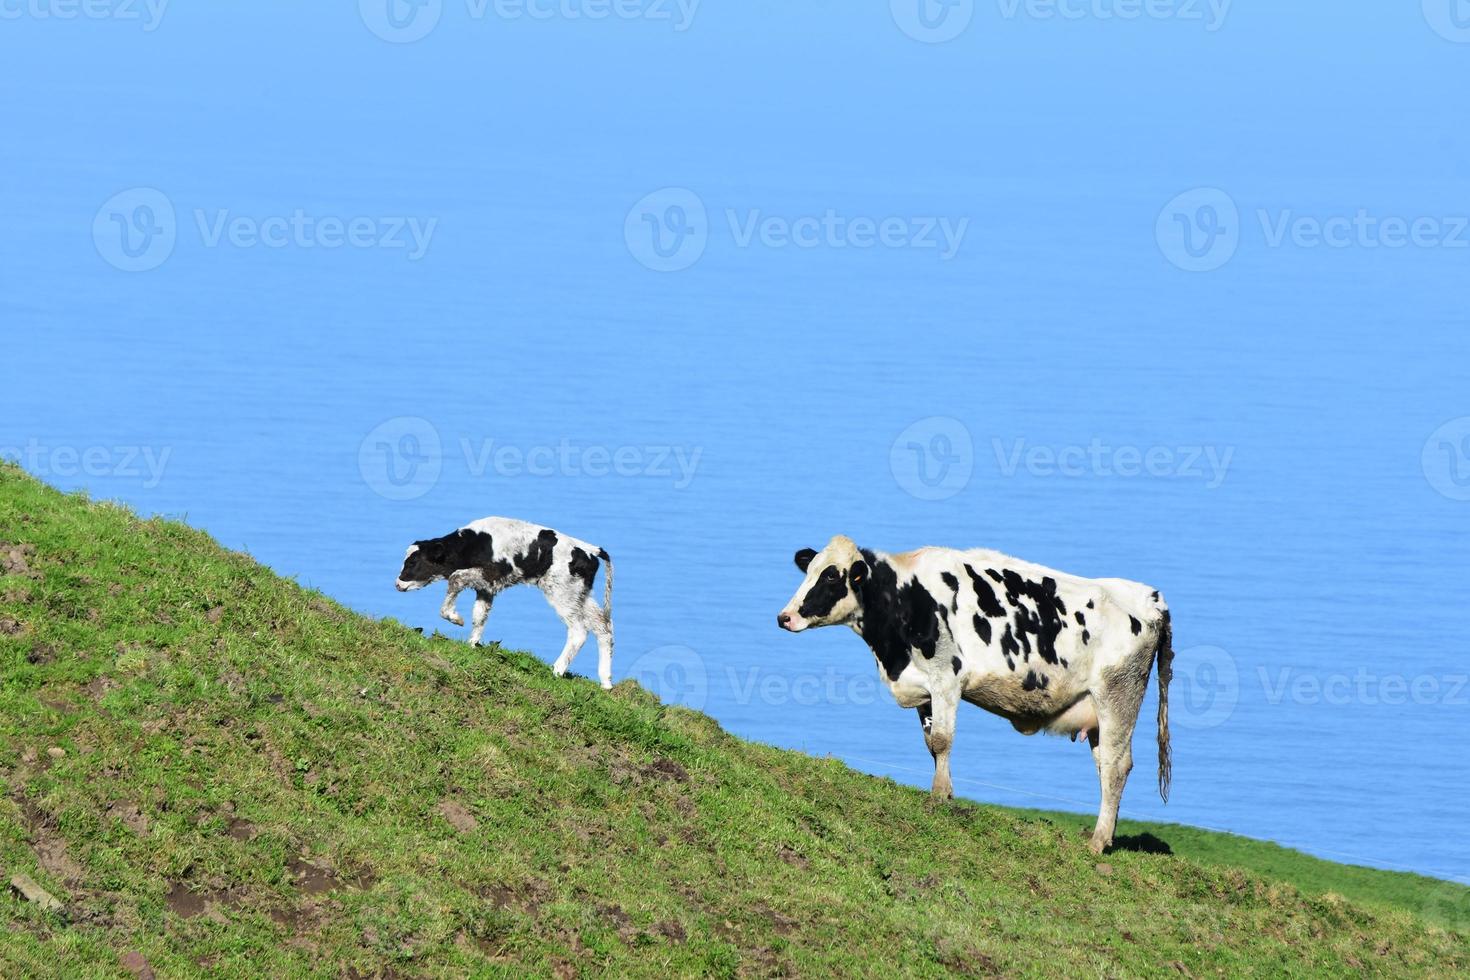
(495, 553)
(1047, 651)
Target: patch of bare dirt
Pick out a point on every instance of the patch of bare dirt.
(11, 627)
(792, 857)
(131, 816)
(182, 902)
(240, 829)
(135, 964)
(311, 879)
(457, 816)
(668, 769)
(14, 559)
(98, 687)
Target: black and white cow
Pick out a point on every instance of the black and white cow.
(495, 553)
(1045, 650)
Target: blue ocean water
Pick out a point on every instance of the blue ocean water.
(1176, 297)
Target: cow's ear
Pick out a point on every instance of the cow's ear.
(804, 558)
(435, 551)
(858, 574)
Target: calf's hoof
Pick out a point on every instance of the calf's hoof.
(455, 618)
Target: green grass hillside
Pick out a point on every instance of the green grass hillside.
(217, 771)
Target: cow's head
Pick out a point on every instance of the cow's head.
(427, 562)
(828, 596)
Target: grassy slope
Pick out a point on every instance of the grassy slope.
(256, 780)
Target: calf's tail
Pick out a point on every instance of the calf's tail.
(607, 583)
(1166, 674)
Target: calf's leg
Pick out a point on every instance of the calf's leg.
(483, 602)
(600, 623)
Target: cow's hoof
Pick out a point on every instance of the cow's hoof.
(607, 685)
(455, 618)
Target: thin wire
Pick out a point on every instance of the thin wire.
(1144, 818)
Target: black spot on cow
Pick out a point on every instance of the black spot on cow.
(953, 584)
(896, 619)
(1086, 637)
(1045, 623)
(1035, 682)
(982, 628)
(536, 561)
(583, 566)
(955, 663)
(1081, 619)
(823, 597)
(995, 575)
(1135, 625)
(1010, 647)
(1090, 604)
(921, 617)
(985, 595)
(1156, 596)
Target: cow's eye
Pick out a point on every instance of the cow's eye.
(830, 574)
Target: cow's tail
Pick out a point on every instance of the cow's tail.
(1165, 654)
(607, 583)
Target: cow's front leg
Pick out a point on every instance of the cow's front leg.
(457, 584)
(483, 601)
(938, 718)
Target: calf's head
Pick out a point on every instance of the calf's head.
(828, 595)
(427, 562)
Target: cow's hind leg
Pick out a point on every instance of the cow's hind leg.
(1112, 744)
(483, 601)
(600, 623)
(569, 609)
